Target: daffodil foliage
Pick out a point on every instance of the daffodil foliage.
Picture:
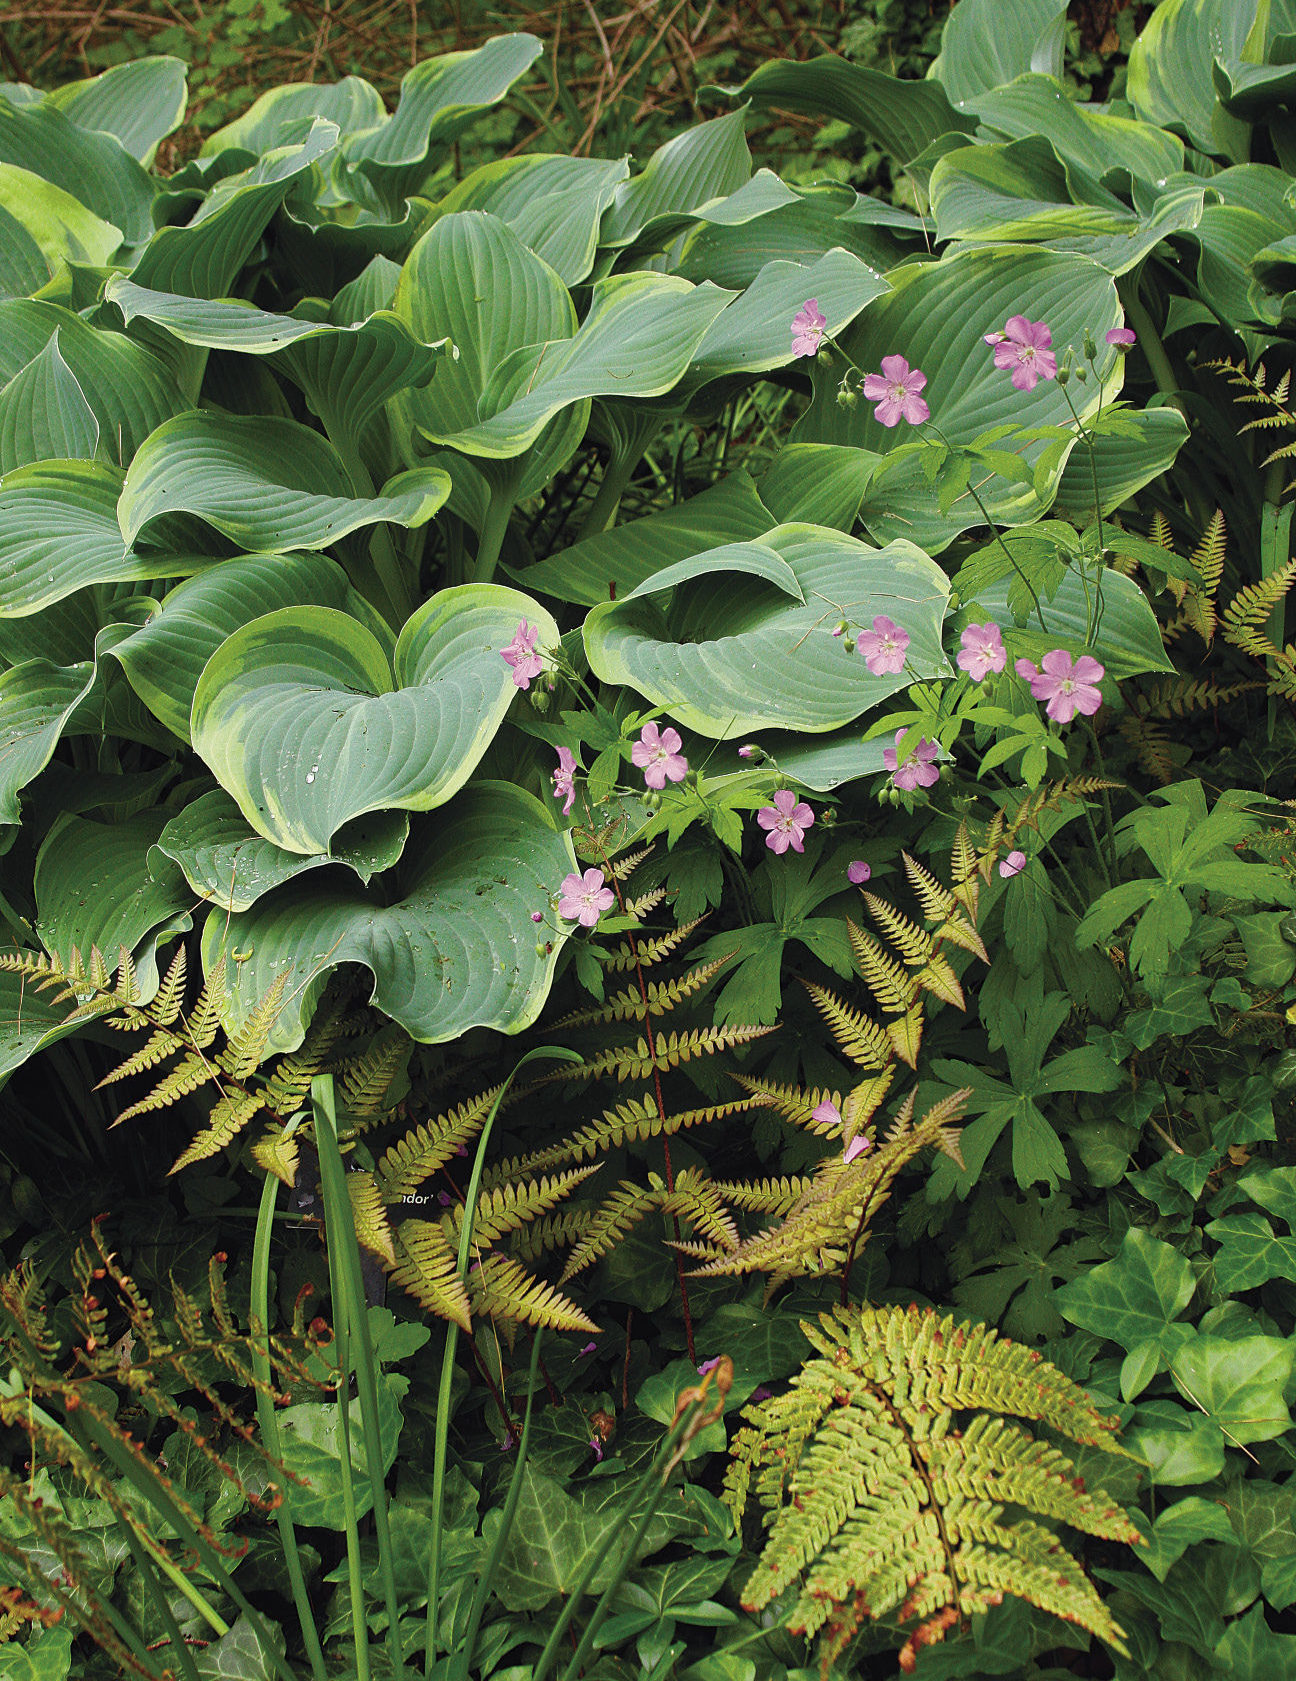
(288, 440)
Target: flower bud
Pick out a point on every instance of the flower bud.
(1090, 348)
(540, 699)
(827, 818)
(652, 800)
(1063, 375)
(825, 355)
(848, 642)
(840, 628)
(537, 916)
(1082, 374)
(751, 751)
(540, 948)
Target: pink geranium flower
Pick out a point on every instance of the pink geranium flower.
(1124, 336)
(657, 754)
(1069, 686)
(1013, 864)
(918, 770)
(564, 778)
(827, 1114)
(808, 328)
(895, 391)
(981, 651)
(584, 898)
(787, 821)
(1023, 346)
(883, 647)
(521, 655)
(857, 1147)
(858, 872)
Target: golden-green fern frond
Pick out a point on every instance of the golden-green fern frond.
(1176, 697)
(764, 1196)
(204, 1019)
(373, 1227)
(699, 1201)
(278, 1153)
(935, 898)
(426, 1268)
(156, 1048)
(168, 1000)
(192, 1071)
(625, 866)
(629, 1123)
(646, 902)
(1153, 745)
(896, 1480)
(1250, 608)
(647, 951)
(892, 987)
(669, 1050)
(619, 1213)
(288, 1085)
(861, 1039)
(912, 942)
(230, 1114)
(501, 1288)
(427, 1147)
(509, 1207)
(663, 996)
(559, 1230)
(246, 1048)
(363, 1084)
(792, 1102)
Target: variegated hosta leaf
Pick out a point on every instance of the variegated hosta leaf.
(308, 724)
(448, 937)
(740, 638)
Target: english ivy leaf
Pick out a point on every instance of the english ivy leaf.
(1179, 1447)
(1238, 1383)
(1250, 1254)
(1254, 1652)
(1176, 1528)
(1134, 1298)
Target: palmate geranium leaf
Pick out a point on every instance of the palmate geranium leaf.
(264, 482)
(139, 103)
(226, 861)
(448, 939)
(726, 655)
(307, 723)
(164, 658)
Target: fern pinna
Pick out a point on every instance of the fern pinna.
(894, 1481)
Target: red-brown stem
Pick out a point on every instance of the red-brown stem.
(625, 1370)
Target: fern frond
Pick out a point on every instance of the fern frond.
(246, 1048)
(699, 1201)
(159, 1045)
(508, 1207)
(636, 1062)
(629, 1123)
(620, 1213)
(792, 1102)
(764, 1196)
(369, 1213)
(230, 1114)
(862, 1040)
(625, 866)
(418, 1155)
(645, 903)
(426, 1267)
(912, 942)
(168, 1000)
(364, 1083)
(191, 1072)
(1251, 606)
(649, 951)
(205, 1017)
(502, 1288)
(277, 1152)
(1153, 745)
(542, 1237)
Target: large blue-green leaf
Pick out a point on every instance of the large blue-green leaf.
(36, 700)
(937, 317)
(1123, 463)
(1169, 81)
(817, 484)
(94, 888)
(553, 204)
(613, 563)
(42, 227)
(164, 658)
(1095, 140)
(44, 414)
(129, 389)
(140, 103)
(92, 168)
(264, 483)
(905, 118)
(703, 164)
(59, 532)
(986, 43)
(284, 115)
(305, 720)
(1254, 213)
(449, 940)
(1129, 637)
(438, 99)
(203, 258)
(726, 655)
(226, 861)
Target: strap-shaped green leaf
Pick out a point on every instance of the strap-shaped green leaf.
(449, 940)
(727, 660)
(306, 722)
(263, 482)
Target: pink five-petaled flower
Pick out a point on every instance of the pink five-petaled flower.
(564, 778)
(808, 328)
(895, 391)
(857, 1147)
(1069, 686)
(883, 647)
(981, 651)
(827, 1113)
(858, 872)
(787, 821)
(1023, 346)
(521, 655)
(918, 770)
(1125, 336)
(1013, 864)
(584, 898)
(657, 754)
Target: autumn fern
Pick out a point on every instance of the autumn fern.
(896, 1481)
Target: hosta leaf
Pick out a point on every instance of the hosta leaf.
(164, 658)
(226, 861)
(553, 204)
(989, 42)
(59, 532)
(1169, 80)
(1094, 139)
(44, 414)
(57, 226)
(1128, 640)
(609, 566)
(94, 887)
(36, 700)
(939, 313)
(130, 390)
(449, 940)
(140, 103)
(438, 99)
(92, 168)
(1123, 463)
(696, 655)
(203, 258)
(347, 373)
(903, 117)
(264, 483)
(307, 723)
(704, 163)
(284, 114)
(818, 484)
